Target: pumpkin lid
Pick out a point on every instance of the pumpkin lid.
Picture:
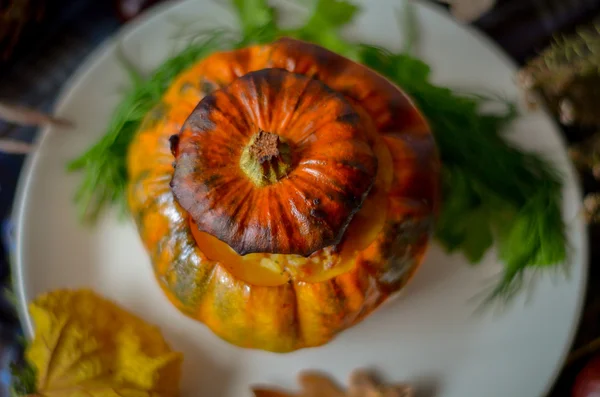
(275, 162)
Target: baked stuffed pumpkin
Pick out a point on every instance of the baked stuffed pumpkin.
(283, 193)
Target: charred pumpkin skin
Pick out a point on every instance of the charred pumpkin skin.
(296, 202)
(291, 314)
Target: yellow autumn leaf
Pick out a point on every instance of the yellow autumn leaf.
(85, 345)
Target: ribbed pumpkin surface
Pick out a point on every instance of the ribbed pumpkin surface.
(299, 285)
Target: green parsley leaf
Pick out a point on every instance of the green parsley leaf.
(472, 234)
(324, 24)
(258, 21)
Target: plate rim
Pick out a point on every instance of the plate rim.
(18, 213)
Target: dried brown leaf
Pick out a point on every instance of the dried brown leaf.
(316, 384)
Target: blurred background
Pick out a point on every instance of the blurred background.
(42, 42)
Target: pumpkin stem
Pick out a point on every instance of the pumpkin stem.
(266, 159)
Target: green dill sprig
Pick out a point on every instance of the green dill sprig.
(492, 191)
(104, 164)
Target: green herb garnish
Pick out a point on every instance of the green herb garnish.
(103, 164)
(23, 380)
(23, 375)
(493, 192)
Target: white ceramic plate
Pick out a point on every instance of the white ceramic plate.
(431, 336)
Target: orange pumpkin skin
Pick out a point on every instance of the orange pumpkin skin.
(343, 283)
(300, 178)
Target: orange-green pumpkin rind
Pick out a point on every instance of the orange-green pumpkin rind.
(297, 314)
